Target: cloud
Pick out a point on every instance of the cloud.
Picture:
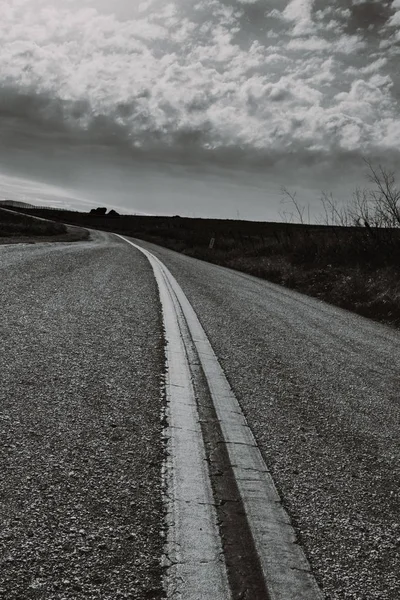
(395, 19)
(41, 194)
(346, 44)
(375, 67)
(174, 79)
(300, 13)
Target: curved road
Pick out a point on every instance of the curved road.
(81, 367)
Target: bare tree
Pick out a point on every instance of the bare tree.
(385, 197)
(361, 210)
(290, 197)
(334, 213)
(376, 207)
(287, 217)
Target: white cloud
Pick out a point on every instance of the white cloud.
(349, 44)
(274, 14)
(318, 71)
(297, 10)
(300, 13)
(345, 44)
(313, 44)
(166, 76)
(394, 21)
(375, 66)
(358, 2)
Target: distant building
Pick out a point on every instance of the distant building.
(16, 204)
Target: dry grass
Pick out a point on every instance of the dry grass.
(14, 224)
(18, 227)
(358, 272)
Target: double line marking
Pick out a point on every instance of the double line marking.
(197, 566)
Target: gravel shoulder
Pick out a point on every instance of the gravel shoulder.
(80, 456)
(320, 389)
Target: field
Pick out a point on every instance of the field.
(18, 227)
(357, 268)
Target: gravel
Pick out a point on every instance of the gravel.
(80, 456)
(320, 389)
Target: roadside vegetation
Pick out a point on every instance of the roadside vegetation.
(20, 227)
(350, 259)
(353, 268)
(13, 224)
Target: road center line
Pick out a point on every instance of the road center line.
(194, 559)
(286, 571)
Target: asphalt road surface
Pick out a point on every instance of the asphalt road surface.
(82, 362)
(81, 368)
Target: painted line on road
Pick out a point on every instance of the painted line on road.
(194, 561)
(286, 571)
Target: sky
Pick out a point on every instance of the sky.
(198, 108)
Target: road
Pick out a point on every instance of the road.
(82, 365)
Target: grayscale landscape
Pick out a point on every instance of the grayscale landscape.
(200, 300)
